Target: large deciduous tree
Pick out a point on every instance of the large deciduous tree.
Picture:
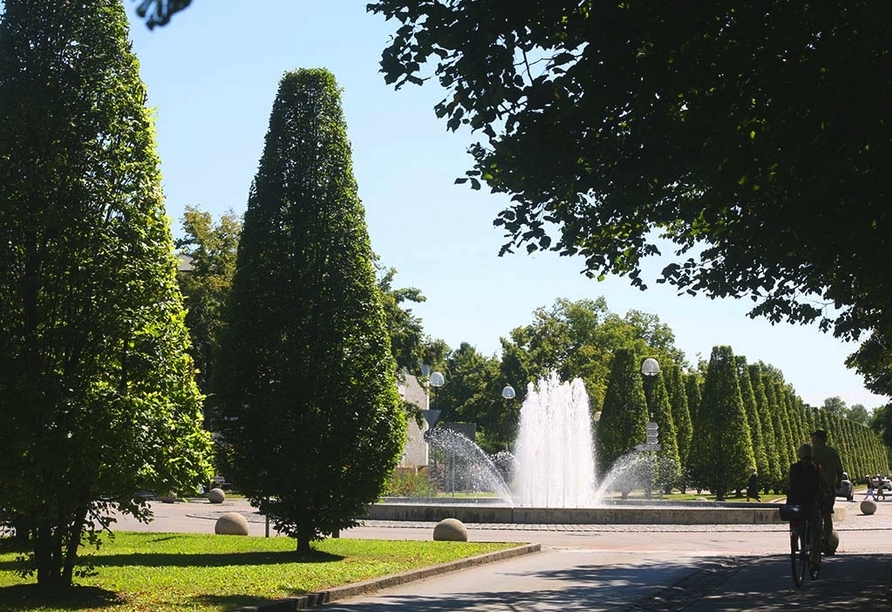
(207, 263)
(577, 339)
(732, 131)
(97, 394)
(308, 399)
(404, 328)
(754, 137)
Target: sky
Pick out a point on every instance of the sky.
(212, 76)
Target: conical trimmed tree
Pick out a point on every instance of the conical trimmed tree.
(97, 391)
(681, 415)
(669, 466)
(752, 417)
(624, 415)
(309, 406)
(725, 460)
(774, 478)
(693, 385)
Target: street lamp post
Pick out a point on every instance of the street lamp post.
(508, 394)
(650, 368)
(436, 381)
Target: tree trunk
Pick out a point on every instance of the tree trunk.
(22, 527)
(304, 532)
(47, 555)
(303, 541)
(73, 541)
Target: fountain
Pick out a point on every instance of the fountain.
(554, 447)
(552, 475)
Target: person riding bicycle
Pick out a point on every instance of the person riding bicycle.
(804, 483)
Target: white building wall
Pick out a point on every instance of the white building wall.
(417, 451)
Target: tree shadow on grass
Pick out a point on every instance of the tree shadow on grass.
(211, 559)
(13, 545)
(24, 597)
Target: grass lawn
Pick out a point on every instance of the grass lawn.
(167, 572)
(656, 497)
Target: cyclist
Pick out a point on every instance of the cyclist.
(804, 483)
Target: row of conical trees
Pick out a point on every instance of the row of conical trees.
(718, 424)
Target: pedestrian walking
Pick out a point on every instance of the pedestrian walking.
(831, 466)
(752, 487)
(870, 490)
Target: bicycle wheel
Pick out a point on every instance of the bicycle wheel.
(798, 558)
(812, 569)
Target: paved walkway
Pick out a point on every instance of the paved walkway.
(627, 568)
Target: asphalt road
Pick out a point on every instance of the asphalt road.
(617, 568)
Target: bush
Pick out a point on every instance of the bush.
(404, 482)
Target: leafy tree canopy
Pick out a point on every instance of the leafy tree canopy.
(404, 327)
(751, 138)
(859, 414)
(159, 12)
(754, 137)
(207, 254)
(835, 405)
(578, 340)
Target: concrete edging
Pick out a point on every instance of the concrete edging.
(303, 602)
(750, 514)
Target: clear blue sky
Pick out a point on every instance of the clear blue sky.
(212, 75)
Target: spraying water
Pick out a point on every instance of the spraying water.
(466, 467)
(554, 449)
(553, 465)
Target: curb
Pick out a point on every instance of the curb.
(303, 602)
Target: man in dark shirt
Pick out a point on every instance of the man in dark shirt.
(828, 459)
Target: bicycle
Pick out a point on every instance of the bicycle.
(800, 543)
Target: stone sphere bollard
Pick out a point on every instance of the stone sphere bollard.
(231, 523)
(216, 496)
(833, 540)
(451, 530)
(868, 506)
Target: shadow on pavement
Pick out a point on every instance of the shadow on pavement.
(853, 583)
(581, 588)
(847, 582)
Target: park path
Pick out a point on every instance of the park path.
(627, 568)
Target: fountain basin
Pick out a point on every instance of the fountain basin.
(615, 514)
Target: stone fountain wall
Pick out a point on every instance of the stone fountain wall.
(744, 514)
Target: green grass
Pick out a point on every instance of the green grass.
(167, 572)
(689, 496)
